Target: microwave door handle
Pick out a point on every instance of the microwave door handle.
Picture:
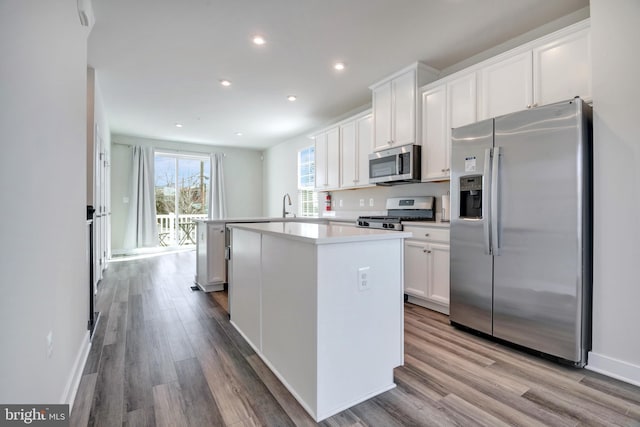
(486, 200)
(399, 164)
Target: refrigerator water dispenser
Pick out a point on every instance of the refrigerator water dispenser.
(471, 197)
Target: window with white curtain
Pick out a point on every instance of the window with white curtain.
(181, 187)
(307, 196)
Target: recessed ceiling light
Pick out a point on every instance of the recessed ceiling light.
(338, 66)
(225, 82)
(259, 40)
(178, 125)
(292, 98)
(238, 133)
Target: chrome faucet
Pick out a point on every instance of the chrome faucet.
(284, 209)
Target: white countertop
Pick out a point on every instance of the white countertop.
(261, 219)
(320, 233)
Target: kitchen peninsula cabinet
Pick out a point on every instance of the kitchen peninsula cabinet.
(426, 266)
(396, 108)
(322, 306)
(211, 264)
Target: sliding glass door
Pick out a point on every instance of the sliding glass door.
(181, 189)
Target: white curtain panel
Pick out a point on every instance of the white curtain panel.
(142, 230)
(217, 198)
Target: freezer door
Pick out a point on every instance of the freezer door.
(541, 195)
(471, 260)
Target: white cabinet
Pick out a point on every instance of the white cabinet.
(327, 159)
(382, 106)
(416, 268)
(211, 264)
(426, 267)
(396, 106)
(435, 131)
(447, 105)
(355, 146)
(562, 69)
(506, 86)
(551, 69)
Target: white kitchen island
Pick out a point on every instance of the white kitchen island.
(322, 305)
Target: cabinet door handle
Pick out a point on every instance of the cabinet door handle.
(426, 234)
(222, 231)
(426, 251)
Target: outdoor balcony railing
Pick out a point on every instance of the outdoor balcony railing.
(180, 232)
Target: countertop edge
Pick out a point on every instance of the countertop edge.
(366, 235)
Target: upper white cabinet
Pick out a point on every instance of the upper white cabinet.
(435, 131)
(327, 159)
(551, 69)
(562, 69)
(396, 106)
(506, 86)
(448, 104)
(342, 153)
(355, 146)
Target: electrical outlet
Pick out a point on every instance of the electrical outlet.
(362, 203)
(371, 202)
(340, 202)
(364, 281)
(49, 344)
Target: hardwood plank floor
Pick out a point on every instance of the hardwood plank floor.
(165, 355)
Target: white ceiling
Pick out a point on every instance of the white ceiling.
(159, 62)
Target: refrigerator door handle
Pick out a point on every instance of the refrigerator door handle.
(495, 201)
(486, 202)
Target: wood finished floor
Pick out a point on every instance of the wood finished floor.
(165, 355)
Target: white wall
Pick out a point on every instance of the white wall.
(43, 269)
(281, 175)
(615, 33)
(242, 175)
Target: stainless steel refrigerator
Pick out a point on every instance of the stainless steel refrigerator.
(521, 229)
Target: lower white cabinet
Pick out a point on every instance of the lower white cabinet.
(426, 267)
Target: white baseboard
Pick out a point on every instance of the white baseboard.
(431, 305)
(69, 394)
(614, 368)
(210, 287)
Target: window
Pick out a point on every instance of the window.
(181, 183)
(307, 196)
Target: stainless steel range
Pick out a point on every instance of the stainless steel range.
(399, 210)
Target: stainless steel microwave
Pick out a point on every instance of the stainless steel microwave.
(395, 166)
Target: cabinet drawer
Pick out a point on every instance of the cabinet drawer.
(431, 234)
